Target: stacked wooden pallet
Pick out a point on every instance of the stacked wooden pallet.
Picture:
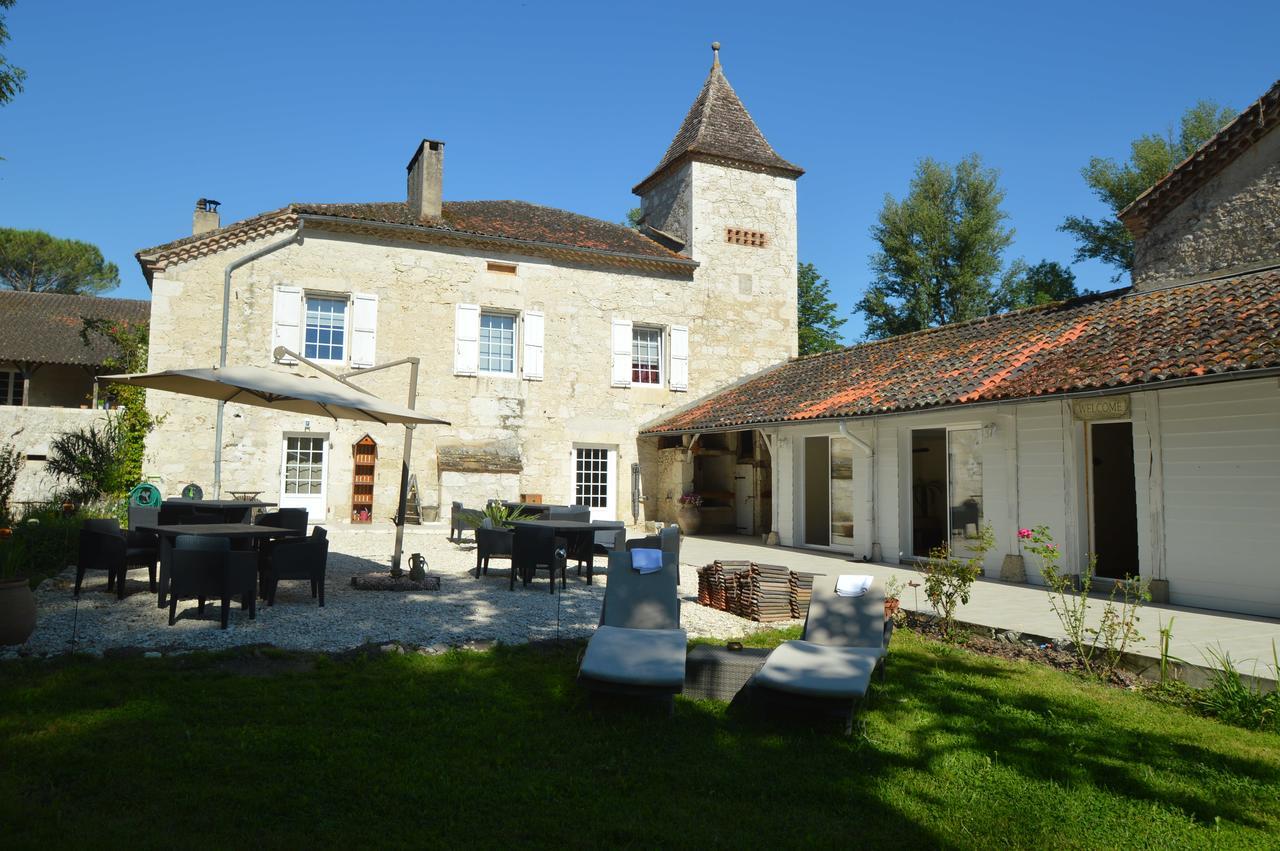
(801, 591)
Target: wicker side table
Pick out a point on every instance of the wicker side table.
(718, 673)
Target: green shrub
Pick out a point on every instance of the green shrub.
(91, 460)
(43, 543)
(947, 579)
(11, 461)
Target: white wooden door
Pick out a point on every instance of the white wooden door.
(304, 468)
(594, 470)
(744, 485)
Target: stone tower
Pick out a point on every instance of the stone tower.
(724, 197)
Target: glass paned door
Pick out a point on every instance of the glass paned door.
(964, 485)
(303, 474)
(593, 468)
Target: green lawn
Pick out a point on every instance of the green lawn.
(497, 748)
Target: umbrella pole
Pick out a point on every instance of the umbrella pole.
(404, 471)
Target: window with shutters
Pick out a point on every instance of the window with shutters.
(497, 343)
(646, 355)
(325, 329)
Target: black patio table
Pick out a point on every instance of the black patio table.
(232, 510)
(208, 530)
(571, 530)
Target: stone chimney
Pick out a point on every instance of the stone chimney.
(205, 217)
(426, 175)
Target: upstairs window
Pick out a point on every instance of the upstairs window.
(646, 355)
(497, 343)
(326, 329)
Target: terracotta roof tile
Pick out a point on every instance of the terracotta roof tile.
(45, 327)
(509, 220)
(1113, 340)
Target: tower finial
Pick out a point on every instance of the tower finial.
(715, 53)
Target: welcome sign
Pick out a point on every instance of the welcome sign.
(1103, 408)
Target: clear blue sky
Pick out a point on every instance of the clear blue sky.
(134, 110)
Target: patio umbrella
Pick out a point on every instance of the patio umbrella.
(312, 395)
(318, 396)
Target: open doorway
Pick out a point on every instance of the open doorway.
(1114, 499)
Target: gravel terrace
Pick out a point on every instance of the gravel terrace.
(465, 610)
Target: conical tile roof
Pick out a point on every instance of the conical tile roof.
(719, 125)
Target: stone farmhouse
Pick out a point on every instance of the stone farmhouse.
(47, 374)
(1142, 425)
(548, 339)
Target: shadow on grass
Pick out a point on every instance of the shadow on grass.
(482, 748)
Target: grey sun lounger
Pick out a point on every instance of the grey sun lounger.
(639, 647)
(842, 645)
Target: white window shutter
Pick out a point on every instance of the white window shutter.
(466, 339)
(679, 357)
(364, 329)
(287, 320)
(621, 353)
(533, 333)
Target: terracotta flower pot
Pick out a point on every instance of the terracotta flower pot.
(17, 611)
(689, 519)
(890, 606)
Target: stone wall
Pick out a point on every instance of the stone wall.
(668, 204)
(1231, 221)
(30, 429)
(732, 332)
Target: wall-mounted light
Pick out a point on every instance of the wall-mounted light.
(990, 430)
(306, 425)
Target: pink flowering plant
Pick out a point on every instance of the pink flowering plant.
(1100, 648)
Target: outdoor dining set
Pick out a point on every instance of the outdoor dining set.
(536, 536)
(207, 550)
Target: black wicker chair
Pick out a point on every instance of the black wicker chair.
(490, 543)
(296, 558)
(462, 519)
(534, 548)
(103, 546)
(285, 518)
(208, 567)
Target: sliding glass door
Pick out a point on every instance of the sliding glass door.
(946, 488)
(828, 492)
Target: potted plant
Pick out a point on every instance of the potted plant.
(689, 514)
(17, 603)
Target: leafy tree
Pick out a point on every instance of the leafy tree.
(634, 217)
(1039, 284)
(134, 421)
(819, 321)
(34, 261)
(11, 77)
(1117, 184)
(89, 458)
(940, 249)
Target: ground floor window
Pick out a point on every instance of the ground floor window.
(10, 387)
